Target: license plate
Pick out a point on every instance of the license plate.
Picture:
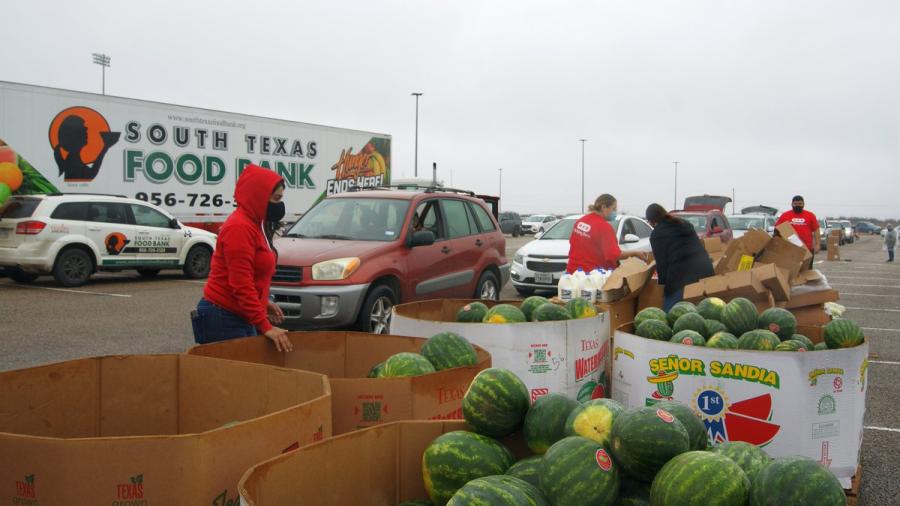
(4, 233)
(545, 278)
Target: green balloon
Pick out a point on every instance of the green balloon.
(5, 193)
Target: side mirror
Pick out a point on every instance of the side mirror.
(422, 238)
(630, 239)
(717, 230)
(173, 223)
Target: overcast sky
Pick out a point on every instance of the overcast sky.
(770, 98)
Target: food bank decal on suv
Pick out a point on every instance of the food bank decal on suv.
(353, 256)
(72, 236)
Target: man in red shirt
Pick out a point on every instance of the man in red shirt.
(593, 243)
(805, 224)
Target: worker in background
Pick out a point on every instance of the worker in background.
(805, 224)
(890, 241)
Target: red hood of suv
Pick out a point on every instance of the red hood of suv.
(306, 252)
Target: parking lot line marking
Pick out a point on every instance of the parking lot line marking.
(871, 309)
(869, 294)
(192, 282)
(887, 429)
(68, 290)
(875, 286)
(885, 362)
(882, 330)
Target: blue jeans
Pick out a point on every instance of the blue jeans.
(673, 299)
(890, 254)
(212, 323)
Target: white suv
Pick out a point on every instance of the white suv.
(71, 236)
(538, 224)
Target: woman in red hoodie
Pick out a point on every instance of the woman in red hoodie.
(235, 300)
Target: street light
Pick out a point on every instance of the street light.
(582, 175)
(102, 60)
(675, 199)
(500, 193)
(417, 95)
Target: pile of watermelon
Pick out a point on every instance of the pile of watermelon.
(599, 453)
(532, 309)
(441, 351)
(738, 325)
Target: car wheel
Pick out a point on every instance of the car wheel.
(73, 267)
(196, 265)
(20, 276)
(148, 273)
(488, 288)
(375, 315)
(525, 292)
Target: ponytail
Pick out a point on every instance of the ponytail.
(605, 200)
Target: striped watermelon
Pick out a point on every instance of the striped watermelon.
(594, 420)
(779, 321)
(790, 345)
(528, 469)
(407, 364)
(749, 457)
(688, 337)
(722, 340)
(740, 316)
(692, 423)
(654, 329)
(805, 340)
(644, 439)
(711, 308)
(550, 312)
(530, 304)
(458, 457)
(448, 350)
(713, 327)
(581, 308)
(820, 347)
(678, 310)
(690, 321)
(650, 313)
(377, 371)
(504, 313)
(473, 312)
(577, 471)
(796, 481)
(701, 478)
(498, 490)
(761, 340)
(495, 403)
(545, 422)
(843, 333)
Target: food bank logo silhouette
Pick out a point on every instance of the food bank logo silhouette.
(80, 138)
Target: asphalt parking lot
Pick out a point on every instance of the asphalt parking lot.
(125, 314)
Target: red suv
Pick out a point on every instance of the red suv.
(354, 255)
(705, 213)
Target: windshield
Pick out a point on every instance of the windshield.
(353, 220)
(535, 219)
(698, 221)
(560, 231)
(746, 223)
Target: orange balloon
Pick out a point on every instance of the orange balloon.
(11, 175)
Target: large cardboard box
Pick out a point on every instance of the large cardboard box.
(150, 430)
(628, 280)
(811, 315)
(786, 255)
(569, 357)
(714, 247)
(620, 312)
(653, 295)
(812, 298)
(748, 245)
(346, 358)
(809, 404)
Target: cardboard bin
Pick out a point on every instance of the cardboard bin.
(346, 358)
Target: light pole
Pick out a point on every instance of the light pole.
(500, 193)
(582, 175)
(102, 60)
(675, 199)
(417, 95)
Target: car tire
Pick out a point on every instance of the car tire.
(525, 292)
(197, 261)
(73, 267)
(20, 276)
(375, 314)
(148, 273)
(488, 287)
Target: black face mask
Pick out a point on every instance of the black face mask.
(797, 209)
(275, 212)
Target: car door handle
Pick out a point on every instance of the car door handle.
(479, 242)
(445, 250)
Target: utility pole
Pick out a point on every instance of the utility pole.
(582, 176)
(500, 193)
(417, 95)
(733, 202)
(675, 199)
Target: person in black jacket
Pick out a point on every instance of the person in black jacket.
(680, 257)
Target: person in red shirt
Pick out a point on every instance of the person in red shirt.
(805, 224)
(235, 299)
(593, 243)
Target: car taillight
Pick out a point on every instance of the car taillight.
(31, 227)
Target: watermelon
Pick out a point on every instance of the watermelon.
(550, 312)
(581, 308)
(633, 492)
(701, 478)
(406, 364)
(421, 502)
(504, 313)
(711, 308)
(749, 457)
(377, 371)
(740, 316)
(654, 329)
(820, 347)
(448, 350)
(790, 345)
(713, 327)
(458, 457)
(644, 439)
(722, 340)
(498, 490)
(650, 313)
(527, 469)
(762, 340)
(530, 304)
(688, 337)
(779, 321)
(473, 312)
(796, 481)
(577, 471)
(690, 321)
(805, 340)
(495, 403)
(843, 333)
(594, 420)
(692, 423)
(678, 310)
(545, 422)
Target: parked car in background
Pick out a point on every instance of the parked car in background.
(538, 223)
(741, 223)
(827, 225)
(867, 227)
(848, 231)
(539, 264)
(708, 224)
(511, 223)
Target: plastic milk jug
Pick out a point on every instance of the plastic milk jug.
(598, 278)
(567, 287)
(587, 289)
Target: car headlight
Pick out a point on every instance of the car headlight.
(332, 270)
(519, 259)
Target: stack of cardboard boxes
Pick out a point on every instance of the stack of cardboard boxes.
(834, 243)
